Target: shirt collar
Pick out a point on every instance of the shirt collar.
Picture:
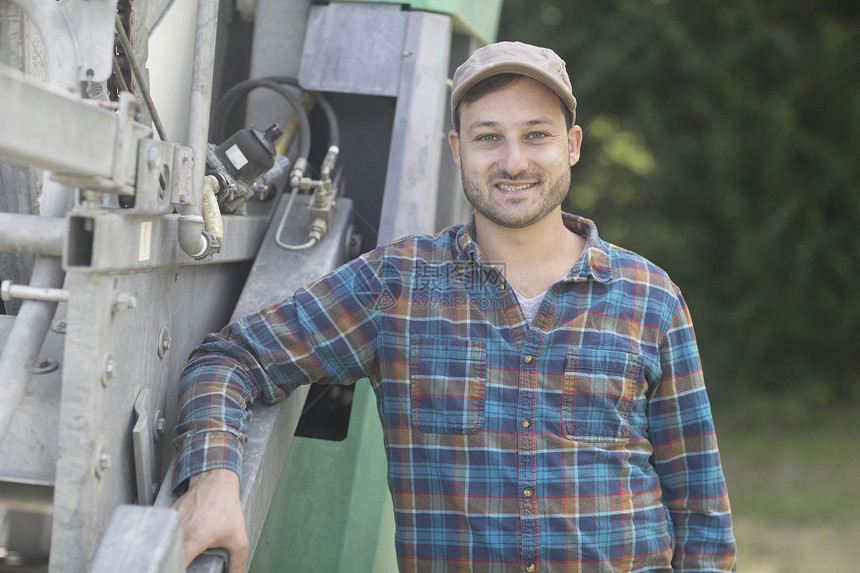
(594, 263)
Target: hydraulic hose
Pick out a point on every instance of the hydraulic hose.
(212, 221)
(328, 110)
(239, 90)
(277, 84)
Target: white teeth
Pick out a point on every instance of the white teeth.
(514, 187)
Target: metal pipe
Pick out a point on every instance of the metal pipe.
(34, 317)
(32, 234)
(193, 242)
(8, 291)
(193, 238)
(286, 246)
(141, 80)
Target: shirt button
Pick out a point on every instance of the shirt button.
(526, 423)
(530, 568)
(528, 492)
(528, 359)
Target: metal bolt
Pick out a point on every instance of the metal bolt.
(124, 301)
(59, 326)
(109, 370)
(160, 426)
(152, 158)
(45, 365)
(163, 181)
(163, 342)
(102, 461)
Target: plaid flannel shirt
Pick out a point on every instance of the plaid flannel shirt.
(581, 443)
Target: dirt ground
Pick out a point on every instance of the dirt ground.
(793, 474)
(767, 547)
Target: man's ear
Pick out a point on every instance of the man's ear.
(574, 142)
(454, 142)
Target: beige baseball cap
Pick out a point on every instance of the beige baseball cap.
(541, 64)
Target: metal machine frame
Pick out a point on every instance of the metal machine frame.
(113, 270)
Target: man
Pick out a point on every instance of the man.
(540, 389)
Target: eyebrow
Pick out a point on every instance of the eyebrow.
(496, 124)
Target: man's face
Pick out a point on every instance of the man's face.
(515, 153)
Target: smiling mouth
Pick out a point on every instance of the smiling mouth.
(514, 187)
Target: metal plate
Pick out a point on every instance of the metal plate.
(28, 454)
(354, 48)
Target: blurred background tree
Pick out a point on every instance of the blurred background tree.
(721, 142)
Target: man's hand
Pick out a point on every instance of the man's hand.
(212, 517)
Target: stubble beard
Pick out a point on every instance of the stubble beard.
(521, 213)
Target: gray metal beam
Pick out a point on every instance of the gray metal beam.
(109, 240)
(452, 207)
(412, 178)
(141, 540)
(43, 126)
(276, 274)
(126, 331)
(32, 234)
(29, 454)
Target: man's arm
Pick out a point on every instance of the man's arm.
(685, 454)
(325, 333)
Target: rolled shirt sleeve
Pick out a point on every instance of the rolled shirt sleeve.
(325, 333)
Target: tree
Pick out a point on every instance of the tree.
(721, 141)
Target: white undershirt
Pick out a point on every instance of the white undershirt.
(530, 306)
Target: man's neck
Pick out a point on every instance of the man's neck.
(532, 258)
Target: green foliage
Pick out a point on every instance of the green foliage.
(721, 141)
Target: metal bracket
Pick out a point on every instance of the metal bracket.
(124, 151)
(164, 172)
(30, 109)
(145, 433)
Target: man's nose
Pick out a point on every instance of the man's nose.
(514, 159)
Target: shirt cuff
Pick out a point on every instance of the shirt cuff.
(206, 451)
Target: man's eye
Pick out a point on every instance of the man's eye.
(487, 137)
(537, 135)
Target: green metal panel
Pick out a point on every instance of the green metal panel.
(477, 18)
(332, 510)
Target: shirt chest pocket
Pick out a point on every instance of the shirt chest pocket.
(447, 385)
(598, 389)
